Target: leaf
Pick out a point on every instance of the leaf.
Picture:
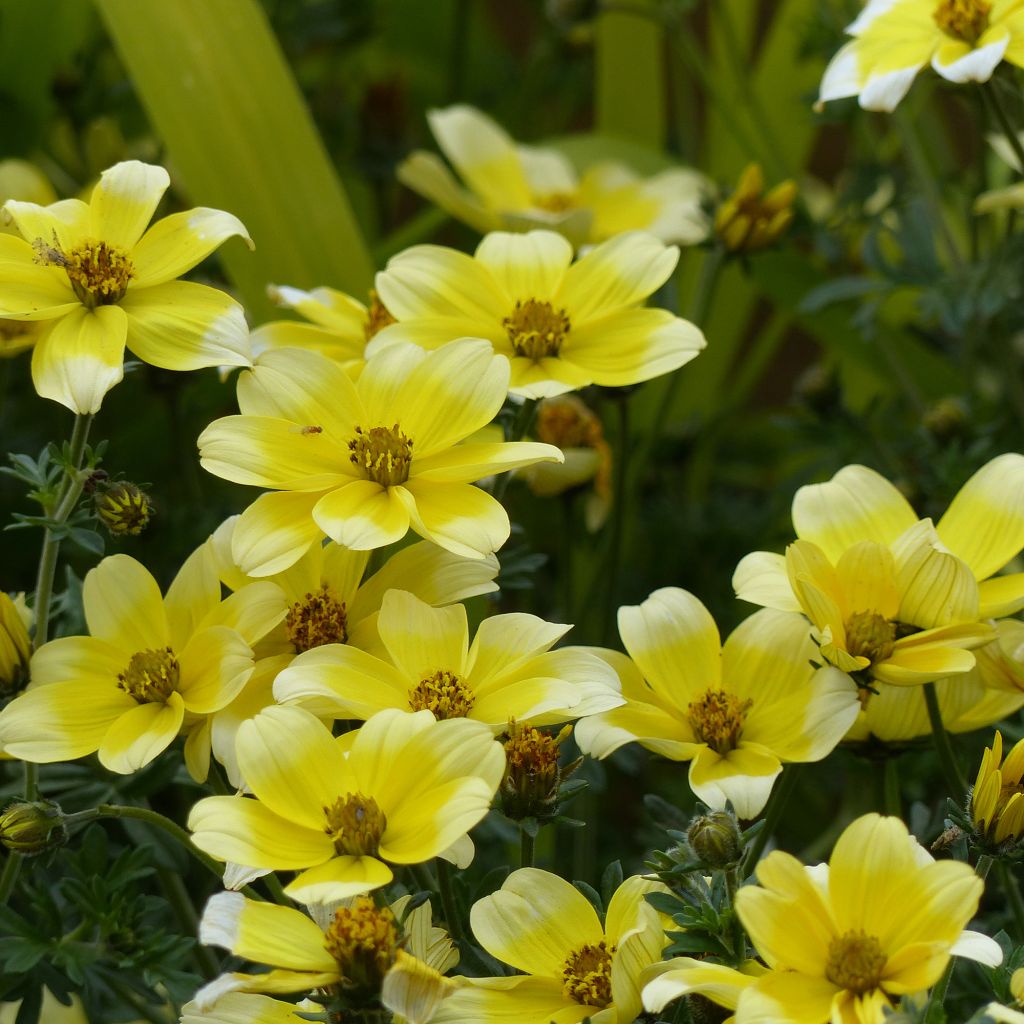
(221, 96)
(610, 881)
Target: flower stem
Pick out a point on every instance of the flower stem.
(526, 849)
(891, 796)
(181, 903)
(984, 865)
(776, 805)
(990, 98)
(12, 865)
(448, 904)
(947, 759)
(739, 944)
(1013, 897)
(614, 563)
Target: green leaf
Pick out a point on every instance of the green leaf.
(222, 98)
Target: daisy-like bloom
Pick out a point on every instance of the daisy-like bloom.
(363, 462)
(404, 789)
(574, 966)
(683, 975)
(963, 40)
(248, 1008)
(15, 645)
(428, 664)
(562, 326)
(735, 712)
(891, 593)
(997, 800)
(339, 325)
(751, 219)
(356, 957)
(517, 187)
(151, 667)
(845, 941)
(100, 280)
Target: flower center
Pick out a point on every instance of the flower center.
(151, 676)
(355, 824)
(384, 453)
(363, 939)
(536, 329)
(316, 620)
(555, 202)
(963, 19)
(99, 273)
(587, 975)
(855, 962)
(717, 719)
(444, 694)
(378, 316)
(870, 635)
(567, 423)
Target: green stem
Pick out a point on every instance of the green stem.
(520, 427)
(891, 797)
(1008, 881)
(938, 994)
(448, 904)
(274, 887)
(568, 539)
(12, 865)
(619, 515)
(526, 849)
(739, 943)
(181, 903)
(947, 759)
(990, 98)
(776, 805)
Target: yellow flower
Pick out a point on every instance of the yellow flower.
(563, 327)
(515, 187)
(236, 1007)
(100, 280)
(573, 966)
(360, 955)
(363, 462)
(662, 983)
(151, 667)
(15, 646)
(750, 220)
(339, 327)
(997, 800)
(427, 663)
(402, 790)
(940, 580)
(845, 941)
(735, 712)
(963, 40)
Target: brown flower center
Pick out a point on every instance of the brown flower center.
(555, 202)
(587, 975)
(355, 824)
(870, 635)
(383, 453)
(318, 619)
(963, 19)
(99, 273)
(151, 676)
(536, 329)
(364, 940)
(717, 719)
(444, 694)
(855, 962)
(377, 316)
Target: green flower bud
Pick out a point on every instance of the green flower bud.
(123, 508)
(715, 839)
(31, 829)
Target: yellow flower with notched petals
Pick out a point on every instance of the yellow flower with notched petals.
(963, 40)
(515, 187)
(363, 462)
(736, 712)
(427, 663)
(845, 941)
(574, 966)
(360, 953)
(562, 326)
(151, 668)
(404, 789)
(997, 801)
(100, 280)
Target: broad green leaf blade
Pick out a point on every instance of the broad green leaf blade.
(239, 137)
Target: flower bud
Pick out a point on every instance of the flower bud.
(32, 828)
(715, 839)
(997, 801)
(532, 773)
(15, 646)
(123, 508)
(751, 219)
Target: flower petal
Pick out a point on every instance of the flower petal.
(421, 639)
(29, 291)
(215, 665)
(761, 578)
(743, 777)
(363, 515)
(123, 605)
(124, 200)
(275, 531)
(338, 879)
(140, 734)
(526, 266)
(459, 517)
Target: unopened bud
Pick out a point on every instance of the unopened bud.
(532, 773)
(715, 839)
(32, 828)
(946, 419)
(752, 219)
(123, 508)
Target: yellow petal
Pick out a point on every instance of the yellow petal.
(193, 594)
(140, 734)
(412, 990)
(1001, 595)
(64, 224)
(124, 200)
(504, 643)
(459, 517)
(866, 575)
(214, 666)
(743, 777)
(938, 589)
(123, 605)
(635, 722)
(426, 174)
(29, 291)
(785, 997)
(362, 514)
(761, 578)
(175, 244)
(338, 879)
(526, 266)
(233, 1006)
(80, 357)
(684, 976)
(275, 531)
(423, 640)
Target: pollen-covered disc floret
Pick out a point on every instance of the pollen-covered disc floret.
(870, 635)
(855, 961)
(151, 675)
(536, 329)
(384, 453)
(717, 719)
(355, 824)
(444, 694)
(364, 940)
(588, 975)
(963, 19)
(318, 619)
(97, 271)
